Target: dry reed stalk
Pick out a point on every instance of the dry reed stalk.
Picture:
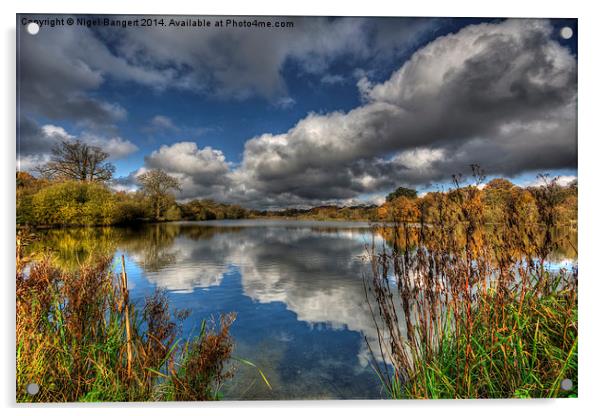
(128, 331)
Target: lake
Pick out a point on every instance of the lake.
(296, 287)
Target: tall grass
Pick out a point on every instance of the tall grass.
(463, 310)
(80, 339)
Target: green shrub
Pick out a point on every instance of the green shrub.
(74, 203)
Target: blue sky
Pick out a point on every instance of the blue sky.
(192, 102)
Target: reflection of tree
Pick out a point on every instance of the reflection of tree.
(566, 236)
(567, 244)
(71, 247)
(199, 232)
(151, 245)
(179, 257)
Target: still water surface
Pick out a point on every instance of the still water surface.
(296, 287)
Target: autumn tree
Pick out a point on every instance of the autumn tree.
(567, 209)
(400, 205)
(74, 160)
(157, 186)
(496, 196)
(401, 191)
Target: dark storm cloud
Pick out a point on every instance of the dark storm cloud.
(61, 68)
(502, 95)
(33, 144)
(57, 72)
(31, 138)
(239, 63)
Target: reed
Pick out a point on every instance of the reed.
(81, 339)
(465, 310)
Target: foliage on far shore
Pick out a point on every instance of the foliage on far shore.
(60, 202)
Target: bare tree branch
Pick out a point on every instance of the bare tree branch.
(78, 161)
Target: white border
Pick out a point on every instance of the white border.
(589, 198)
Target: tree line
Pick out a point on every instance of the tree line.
(74, 188)
(494, 198)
